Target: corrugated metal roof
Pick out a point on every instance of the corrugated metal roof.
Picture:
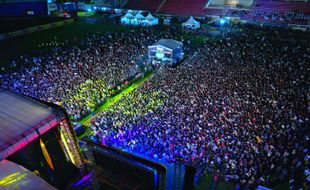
(19, 117)
(169, 43)
(14, 176)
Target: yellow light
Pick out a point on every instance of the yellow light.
(46, 155)
(12, 178)
(66, 146)
(18, 178)
(8, 178)
(36, 172)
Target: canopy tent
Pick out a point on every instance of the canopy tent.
(14, 176)
(127, 18)
(151, 20)
(138, 19)
(139, 16)
(191, 23)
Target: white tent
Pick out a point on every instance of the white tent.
(138, 19)
(127, 18)
(151, 20)
(139, 16)
(191, 23)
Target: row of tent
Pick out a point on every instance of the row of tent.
(139, 19)
(150, 20)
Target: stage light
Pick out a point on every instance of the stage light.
(160, 54)
(83, 180)
(12, 178)
(222, 21)
(8, 178)
(64, 141)
(46, 154)
(89, 10)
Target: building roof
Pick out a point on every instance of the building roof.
(150, 17)
(14, 176)
(139, 16)
(191, 20)
(129, 15)
(169, 43)
(20, 117)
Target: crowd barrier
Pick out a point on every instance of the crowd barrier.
(35, 29)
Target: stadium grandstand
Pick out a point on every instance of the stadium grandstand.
(244, 9)
(184, 7)
(144, 5)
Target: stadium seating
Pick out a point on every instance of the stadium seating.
(269, 8)
(150, 5)
(184, 7)
(268, 5)
(198, 7)
(215, 12)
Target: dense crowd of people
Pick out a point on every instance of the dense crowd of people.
(237, 108)
(80, 75)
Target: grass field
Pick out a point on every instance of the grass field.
(85, 14)
(11, 48)
(196, 40)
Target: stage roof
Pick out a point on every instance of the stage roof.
(20, 116)
(14, 176)
(169, 43)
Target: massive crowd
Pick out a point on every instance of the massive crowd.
(80, 75)
(237, 108)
